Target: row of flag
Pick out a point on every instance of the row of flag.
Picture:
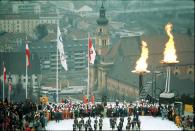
(91, 53)
(4, 78)
(91, 50)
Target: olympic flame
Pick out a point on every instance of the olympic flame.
(141, 64)
(170, 51)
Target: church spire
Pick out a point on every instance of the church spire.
(102, 20)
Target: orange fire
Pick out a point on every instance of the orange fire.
(170, 51)
(141, 64)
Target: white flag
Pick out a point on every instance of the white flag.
(92, 53)
(61, 49)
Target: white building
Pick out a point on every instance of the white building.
(84, 11)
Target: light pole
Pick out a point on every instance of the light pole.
(118, 90)
(10, 86)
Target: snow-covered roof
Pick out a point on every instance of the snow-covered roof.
(85, 8)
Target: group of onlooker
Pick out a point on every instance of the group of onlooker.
(21, 116)
(30, 116)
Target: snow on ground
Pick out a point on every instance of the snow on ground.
(147, 123)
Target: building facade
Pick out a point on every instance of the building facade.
(26, 8)
(102, 74)
(15, 69)
(23, 23)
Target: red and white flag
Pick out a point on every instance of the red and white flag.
(27, 56)
(92, 53)
(4, 73)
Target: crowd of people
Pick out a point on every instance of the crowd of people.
(23, 116)
(28, 116)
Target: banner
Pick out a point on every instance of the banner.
(61, 49)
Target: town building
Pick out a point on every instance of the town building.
(111, 74)
(15, 64)
(23, 23)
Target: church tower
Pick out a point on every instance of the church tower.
(102, 33)
(98, 71)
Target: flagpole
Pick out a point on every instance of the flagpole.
(8, 93)
(88, 70)
(57, 69)
(26, 79)
(57, 75)
(26, 74)
(3, 89)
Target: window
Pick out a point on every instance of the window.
(103, 42)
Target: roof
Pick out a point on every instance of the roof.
(15, 63)
(16, 16)
(69, 46)
(102, 20)
(26, 16)
(6, 37)
(85, 8)
(124, 53)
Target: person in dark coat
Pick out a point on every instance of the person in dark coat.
(95, 126)
(129, 119)
(42, 120)
(128, 126)
(132, 124)
(82, 121)
(74, 127)
(89, 121)
(56, 116)
(96, 121)
(100, 126)
(113, 124)
(79, 125)
(100, 120)
(122, 119)
(138, 124)
(90, 128)
(119, 128)
(86, 126)
(76, 121)
(121, 125)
